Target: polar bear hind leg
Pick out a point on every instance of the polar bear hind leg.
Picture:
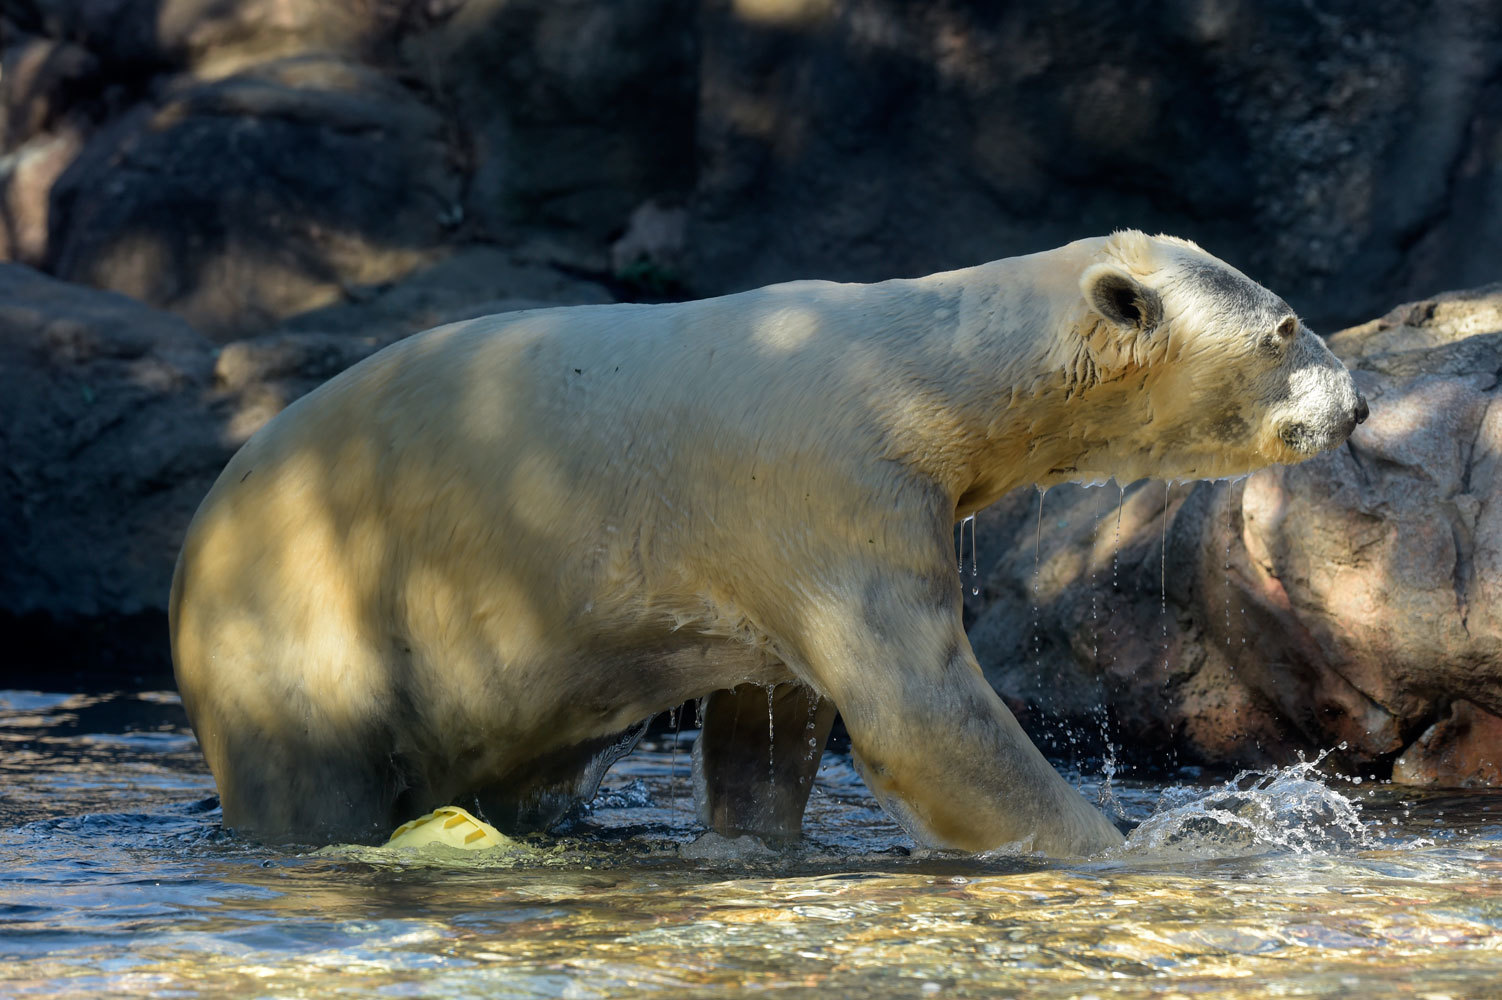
(756, 758)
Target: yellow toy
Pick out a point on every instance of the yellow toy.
(449, 826)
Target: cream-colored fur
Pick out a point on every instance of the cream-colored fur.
(496, 543)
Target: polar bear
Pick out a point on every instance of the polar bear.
(469, 567)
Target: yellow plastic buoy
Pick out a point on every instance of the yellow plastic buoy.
(449, 826)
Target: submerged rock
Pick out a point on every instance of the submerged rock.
(1351, 599)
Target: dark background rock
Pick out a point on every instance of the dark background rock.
(134, 38)
(1344, 153)
(105, 459)
(572, 113)
(115, 419)
(242, 201)
(1324, 149)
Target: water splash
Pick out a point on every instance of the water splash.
(1282, 809)
(1116, 545)
(1095, 591)
(1106, 796)
(974, 562)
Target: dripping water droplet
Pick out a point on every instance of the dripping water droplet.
(1226, 568)
(676, 721)
(1163, 574)
(771, 761)
(959, 560)
(808, 728)
(974, 561)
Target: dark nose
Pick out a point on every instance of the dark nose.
(1361, 411)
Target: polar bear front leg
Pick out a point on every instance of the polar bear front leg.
(756, 757)
(933, 741)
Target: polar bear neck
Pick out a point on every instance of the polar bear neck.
(1011, 352)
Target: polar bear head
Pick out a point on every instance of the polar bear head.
(1210, 374)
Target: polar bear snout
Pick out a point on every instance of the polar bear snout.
(1319, 405)
(1325, 411)
(1359, 413)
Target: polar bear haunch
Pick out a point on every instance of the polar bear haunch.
(469, 566)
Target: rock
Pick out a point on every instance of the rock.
(211, 36)
(44, 80)
(113, 429)
(239, 202)
(49, 95)
(576, 112)
(1463, 749)
(1345, 156)
(106, 457)
(650, 256)
(1349, 601)
(27, 175)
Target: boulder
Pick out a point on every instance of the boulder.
(27, 175)
(1463, 749)
(210, 37)
(1344, 154)
(1349, 602)
(238, 202)
(474, 280)
(107, 454)
(45, 80)
(51, 92)
(574, 113)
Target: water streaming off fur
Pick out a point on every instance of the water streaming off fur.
(974, 559)
(116, 878)
(1062, 736)
(771, 739)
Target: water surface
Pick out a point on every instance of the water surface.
(116, 878)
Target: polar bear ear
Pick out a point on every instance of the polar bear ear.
(1121, 298)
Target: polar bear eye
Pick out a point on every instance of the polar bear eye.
(1287, 328)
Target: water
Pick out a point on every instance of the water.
(115, 878)
(974, 559)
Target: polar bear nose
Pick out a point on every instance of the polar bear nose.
(1361, 411)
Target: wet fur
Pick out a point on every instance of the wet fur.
(465, 565)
